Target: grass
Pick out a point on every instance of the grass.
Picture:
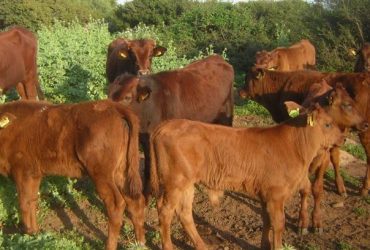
(342, 245)
(356, 150)
(250, 107)
(330, 174)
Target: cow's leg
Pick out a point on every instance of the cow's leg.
(30, 84)
(303, 215)
(275, 210)
(115, 206)
(334, 157)
(318, 192)
(166, 206)
(136, 208)
(365, 140)
(27, 188)
(144, 140)
(266, 230)
(21, 90)
(184, 211)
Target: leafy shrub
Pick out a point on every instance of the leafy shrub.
(72, 60)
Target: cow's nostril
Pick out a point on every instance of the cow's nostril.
(366, 126)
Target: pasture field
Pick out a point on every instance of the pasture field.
(71, 216)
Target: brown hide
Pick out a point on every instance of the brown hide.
(201, 91)
(270, 164)
(272, 88)
(99, 139)
(363, 59)
(18, 68)
(301, 55)
(131, 56)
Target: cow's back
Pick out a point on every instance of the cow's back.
(196, 92)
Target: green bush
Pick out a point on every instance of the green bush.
(72, 60)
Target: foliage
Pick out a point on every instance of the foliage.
(8, 202)
(356, 150)
(48, 241)
(35, 13)
(72, 59)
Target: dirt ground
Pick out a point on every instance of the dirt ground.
(236, 224)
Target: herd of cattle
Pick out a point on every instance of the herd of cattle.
(183, 120)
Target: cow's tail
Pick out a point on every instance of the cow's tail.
(134, 184)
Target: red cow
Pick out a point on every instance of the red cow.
(99, 139)
(301, 55)
(268, 164)
(201, 91)
(131, 56)
(18, 68)
(272, 88)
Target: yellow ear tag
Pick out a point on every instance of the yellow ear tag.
(159, 53)
(294, 113)
(310, 120)
(143, 97)
(122, 55)
(4, 121)
(353, 52)
(271, 69)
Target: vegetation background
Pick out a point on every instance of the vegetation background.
(74, 35)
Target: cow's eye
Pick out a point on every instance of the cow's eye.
(347, 106)
(328, 125)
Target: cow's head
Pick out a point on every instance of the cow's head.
(137, 54)
(338, 104)
(266, 60)
(127, 90)
(252, 80)
(326, 129)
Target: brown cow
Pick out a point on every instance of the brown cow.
(342, 108)
(18, 68)
(363, 59)
(301, 55)
(99, 139)
(268, 164)
(272, 88)
(131, 56)
(203, 91)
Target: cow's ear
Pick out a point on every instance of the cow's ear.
(293, 109)
(6, 119)
(122, 54)
(159, 51)
(143, 93)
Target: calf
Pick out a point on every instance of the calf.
(269, 164)
(18, 67)
(301, 55)
(131, 56)
(99, 139)
(203, 91)
(272, 88)
(342, 108)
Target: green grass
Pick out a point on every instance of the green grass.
(330, 174)
(341, 245)
(250, 107)
(356, 150)
(50, 240)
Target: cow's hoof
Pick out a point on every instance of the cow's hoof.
(303, 231)
(344, 194)
(318, 230)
